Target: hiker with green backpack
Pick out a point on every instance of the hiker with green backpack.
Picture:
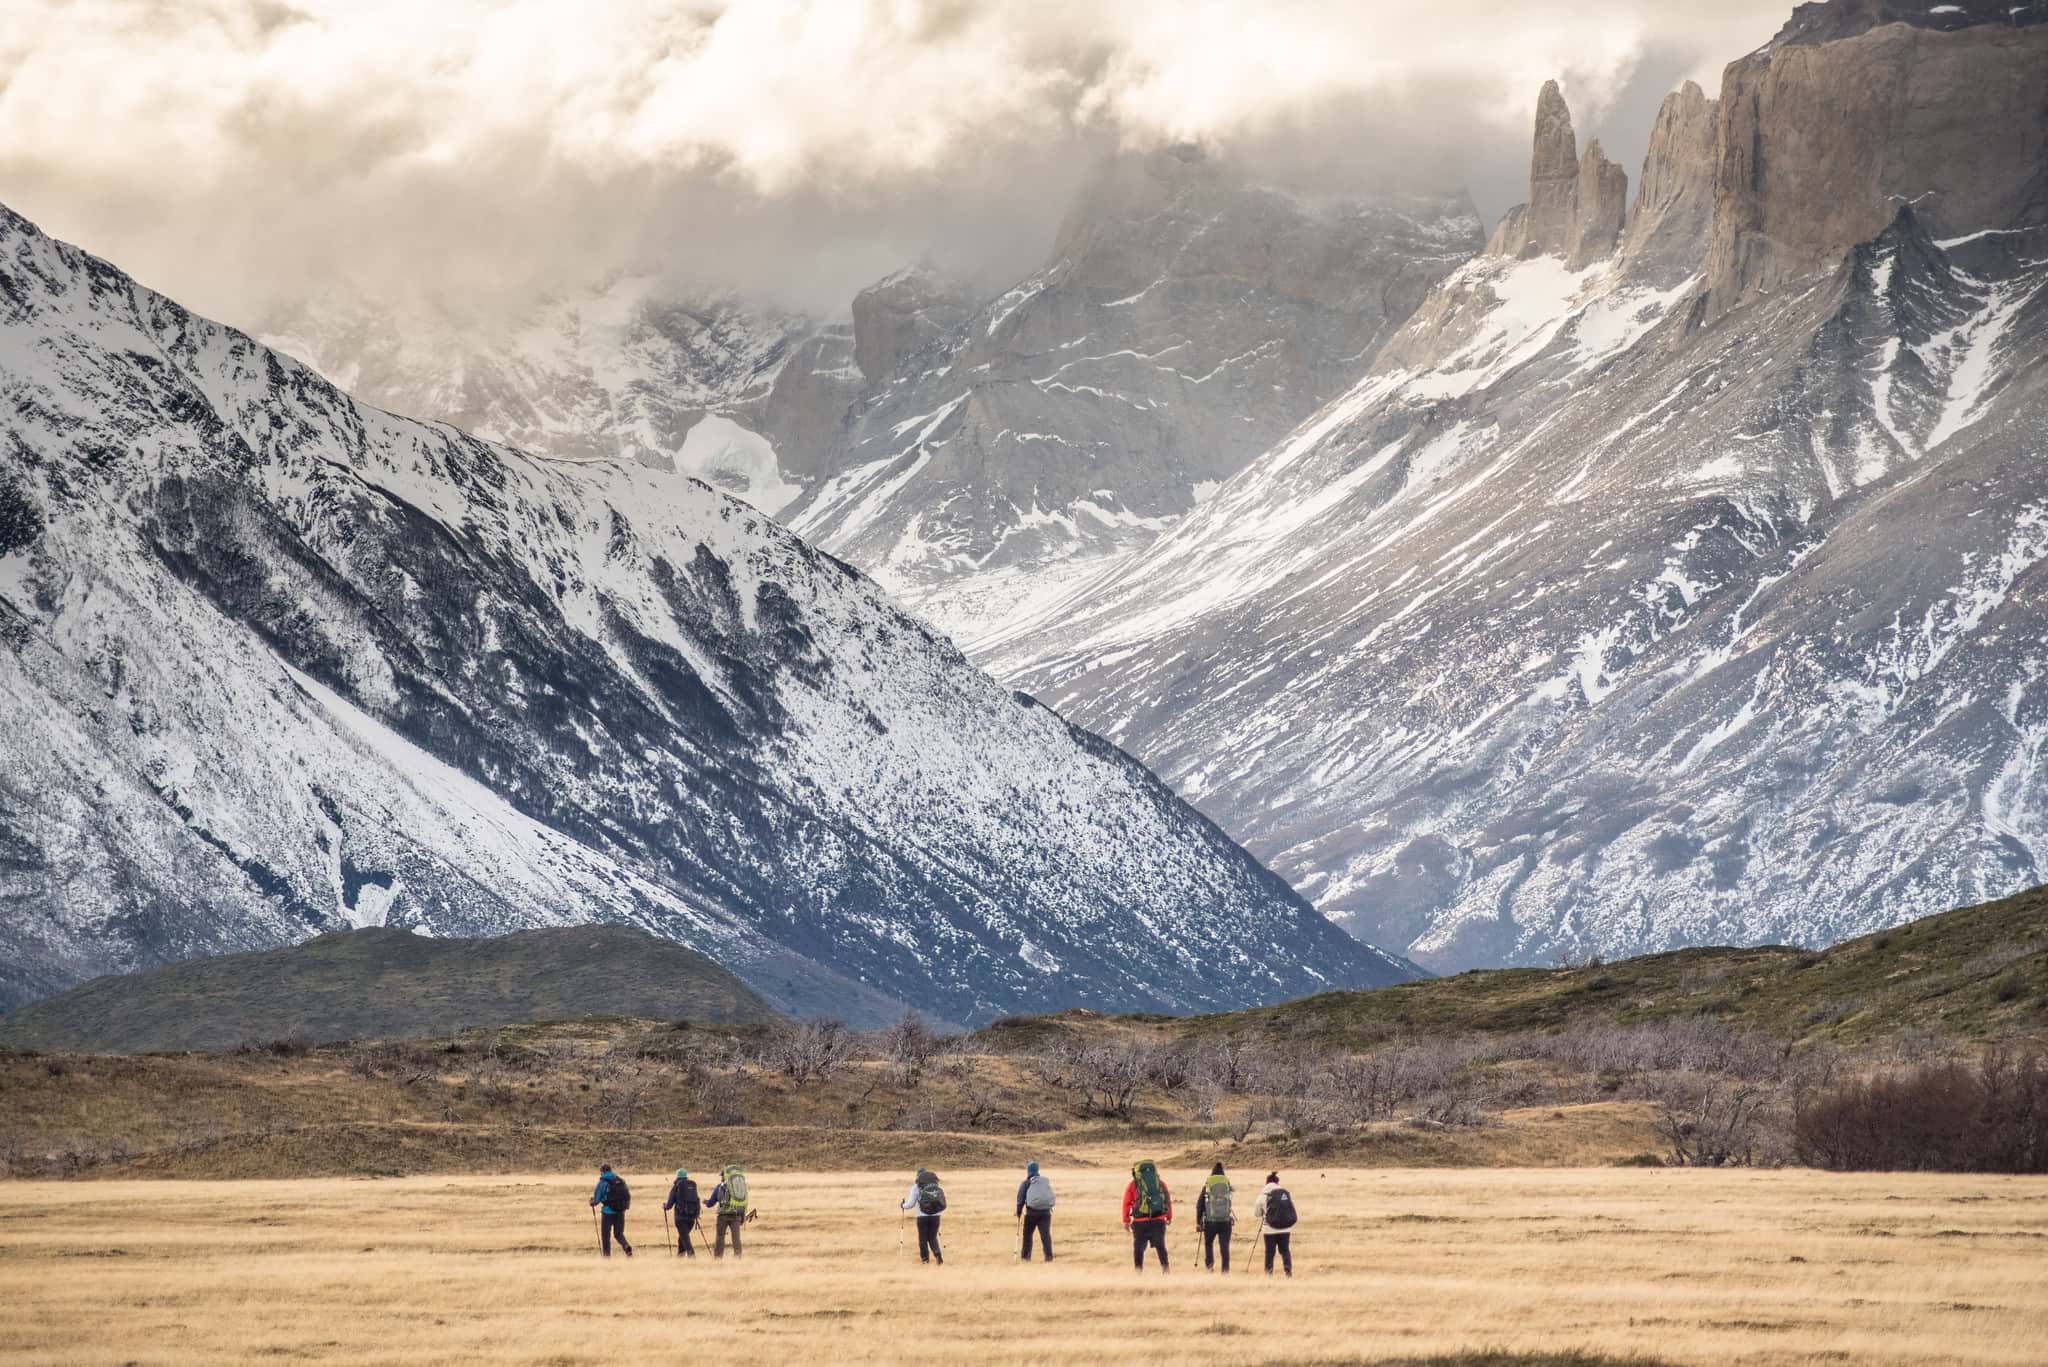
(1213, 1218)
(1034, 1208)
(1274, 1211)
(1148, 1210)
(928, 1199)
(729, 1199)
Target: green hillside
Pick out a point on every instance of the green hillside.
(1979, 973)
(379, 983)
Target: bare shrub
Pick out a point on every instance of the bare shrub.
(1228, 1062)
(719, 1097)
(910, 1045)
(1710, 1121)
(807, 1052)
(1103, 1079)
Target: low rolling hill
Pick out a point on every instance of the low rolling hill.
(1979, 973)
(379, 983)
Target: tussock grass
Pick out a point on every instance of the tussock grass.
(1583, 1268)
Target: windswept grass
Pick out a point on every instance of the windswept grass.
(1439, 1269)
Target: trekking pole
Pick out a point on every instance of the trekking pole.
(596, 1229)
(677, 1252)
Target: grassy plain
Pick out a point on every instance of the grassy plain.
(1621, 1265)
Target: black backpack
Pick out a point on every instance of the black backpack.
(931, 1197)
(616, 1194)
(688, 1206)
(1279, 1209)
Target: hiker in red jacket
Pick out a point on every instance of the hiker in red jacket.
(1148, 1210)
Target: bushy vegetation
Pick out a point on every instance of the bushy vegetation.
(1983, 1115)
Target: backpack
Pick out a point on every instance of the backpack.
(931, 1197)
(1151, 1203)
(616, 1193)
(1279, 1209)
(688, 1205)
(735, 1183)
(1038, 1193)
(1216, 1201)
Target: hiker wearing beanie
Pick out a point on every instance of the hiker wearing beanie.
(611, 1199)
(928, 1199)
(682, 1199)
(1148, 1210)
(1034, 1208)
(1213, 1218)
(1275, 1213)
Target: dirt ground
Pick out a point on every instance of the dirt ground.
(1674, 1266)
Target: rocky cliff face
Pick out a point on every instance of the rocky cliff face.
(1859, 109)
(273, 661)
(1188, 317)
(1577, 205)
(1674, 209)
(1591, 619)
(896, 318)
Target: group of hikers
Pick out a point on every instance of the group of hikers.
(728, 1204)
(1147, 1213)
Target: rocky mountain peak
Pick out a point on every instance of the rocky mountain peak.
(898, 316)
(1578, 205)
(1860, 107)
(1831, 20)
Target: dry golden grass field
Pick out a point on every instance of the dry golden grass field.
(1660, 1266)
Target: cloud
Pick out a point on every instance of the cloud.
(246, 152)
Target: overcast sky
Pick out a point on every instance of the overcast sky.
(242, 153)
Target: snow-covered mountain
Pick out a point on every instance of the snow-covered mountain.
(1670, 578)
(711, 387)
(976, 454)
(1188, 317)
(273, 661)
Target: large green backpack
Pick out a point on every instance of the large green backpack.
(1216, 1206)
(1151, 1203)
(735, 1190)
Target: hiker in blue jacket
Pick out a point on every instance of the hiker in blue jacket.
(682, 1199)
(1034, 1208)
(611, 1199)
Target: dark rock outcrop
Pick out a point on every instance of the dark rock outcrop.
(895, 318)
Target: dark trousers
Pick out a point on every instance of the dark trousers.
(1041, 1221)
(611, 1225)
(928, 1240)
(683, 1244)
(1145, 1232)
(1214, 1236)
(1278, 1243)
(729, 1222)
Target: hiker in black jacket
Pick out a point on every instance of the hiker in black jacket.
(1213, 1216)
(682, 1199)
(1034, 1208)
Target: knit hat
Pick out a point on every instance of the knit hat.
(1216, 1171)
(681, 1173)
(1273, 1177)
(1031, 1169)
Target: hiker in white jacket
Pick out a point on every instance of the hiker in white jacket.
(1265, 1210)
(926, 1198)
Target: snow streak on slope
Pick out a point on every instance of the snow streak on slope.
(280, 662)
(1576, 625)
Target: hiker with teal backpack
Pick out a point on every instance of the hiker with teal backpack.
(1034, 1208)
(1213, 1218)
(729, 1199)
(682, 1199)
(1148, 1210)
(1275, 1213)
(611, 1199)
(928, 1199)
